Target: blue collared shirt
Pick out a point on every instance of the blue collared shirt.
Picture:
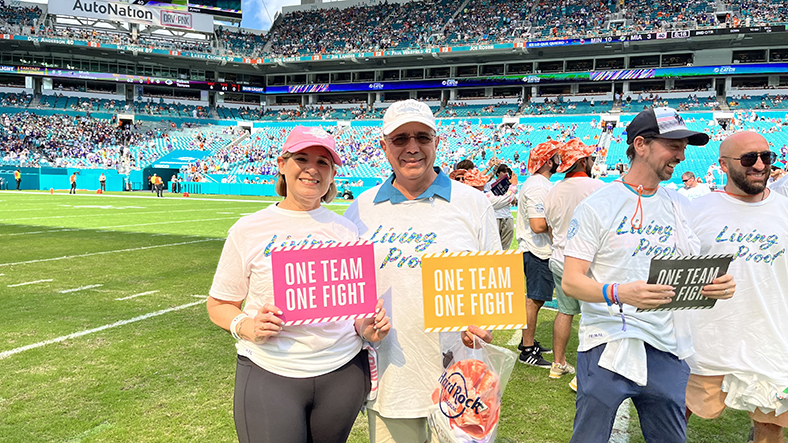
(441, 187)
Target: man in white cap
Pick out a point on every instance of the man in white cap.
(577, 161)
(416, 211)
(741, 345)
(612, 238)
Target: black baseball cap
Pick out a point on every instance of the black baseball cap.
(663, 123)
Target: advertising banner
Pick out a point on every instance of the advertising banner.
(126, 12)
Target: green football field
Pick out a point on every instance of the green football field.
(104, 335)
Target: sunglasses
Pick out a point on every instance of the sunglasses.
(403, 140)
(750, 158)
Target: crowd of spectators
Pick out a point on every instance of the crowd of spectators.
(160, 107)
(571, 18)
(760, 12)
(19, 16)
(62, 140)
(357, 28)
(242, 43)
(645, 15)
(16, 99)
(490, 21)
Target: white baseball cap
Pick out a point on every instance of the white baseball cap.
(407, 111)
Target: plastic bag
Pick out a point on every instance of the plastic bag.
(468, 394)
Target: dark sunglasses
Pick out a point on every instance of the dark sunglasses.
(403, 140)
(750, 158)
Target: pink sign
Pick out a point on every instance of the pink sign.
(317, 284)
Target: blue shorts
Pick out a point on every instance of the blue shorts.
(660, 404)
(539, 283)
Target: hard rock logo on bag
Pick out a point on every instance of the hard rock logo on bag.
(454, 396)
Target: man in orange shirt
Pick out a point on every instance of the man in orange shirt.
(18, 178)
(73, 180)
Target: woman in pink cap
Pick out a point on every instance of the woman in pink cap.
(293, 383)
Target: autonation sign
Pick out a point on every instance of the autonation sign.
(126, 12)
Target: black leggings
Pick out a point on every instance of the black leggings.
(271, 408)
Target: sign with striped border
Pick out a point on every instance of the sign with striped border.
(324, 283)
(688, 275)
(485, 289)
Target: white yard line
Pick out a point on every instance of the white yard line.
(136, 295)
(81, 288)
(516, 339)
(11, 352)
(109, 228)
(30, 283)
(169, 197)
(160, 223)
(620, 432)
(89, 254)
(106, 214)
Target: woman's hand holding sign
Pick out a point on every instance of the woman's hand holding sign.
(266, 323)
(374, 329)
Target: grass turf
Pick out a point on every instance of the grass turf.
(168, 377)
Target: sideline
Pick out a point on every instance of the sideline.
(137, 295)
(88, 254)
(106, 214)
(11, 352)
(87, 194)
(81, 288)
(29, 283)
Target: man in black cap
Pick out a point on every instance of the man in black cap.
(612, 237)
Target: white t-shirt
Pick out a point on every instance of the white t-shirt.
(244, 273)
(780, 186)
(409, 359)
(747, 334)
(601, 232)
(502, 204)
(531, 205)
(698, 190)
(560, 205)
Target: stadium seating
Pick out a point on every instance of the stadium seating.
(759, 102)
(241, 43)
(19, 15)
(382, 26)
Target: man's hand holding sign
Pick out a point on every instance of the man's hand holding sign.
(323, 284)
(462, 290)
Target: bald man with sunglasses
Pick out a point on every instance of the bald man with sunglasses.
(741, 345)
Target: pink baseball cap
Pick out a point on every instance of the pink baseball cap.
(302, 137)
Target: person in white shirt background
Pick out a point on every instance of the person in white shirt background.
(533, 239)
(692, 188)
(576, 160)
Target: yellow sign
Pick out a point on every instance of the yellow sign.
(486, 289)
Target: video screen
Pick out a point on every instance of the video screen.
(222, 8)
